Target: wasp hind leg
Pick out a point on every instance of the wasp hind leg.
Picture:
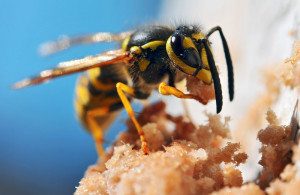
(165, 89)
(122, 89)
(96, 131)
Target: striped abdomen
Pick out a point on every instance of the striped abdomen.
(96, 93)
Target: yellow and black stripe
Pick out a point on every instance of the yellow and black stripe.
(96, 90)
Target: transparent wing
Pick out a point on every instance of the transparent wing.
(65, 42)
(74, 66)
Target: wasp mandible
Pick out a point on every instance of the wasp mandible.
(149, 56)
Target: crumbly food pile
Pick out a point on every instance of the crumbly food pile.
(283, 176)
(280, 156)
(276, 150)
(184, 159)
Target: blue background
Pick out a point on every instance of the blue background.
(43, 149)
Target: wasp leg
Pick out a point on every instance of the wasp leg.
(165, 89)
(96, 131)
(121, 88)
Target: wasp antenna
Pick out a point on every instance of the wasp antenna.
(228, 60)
(65, 42)
(215, 76)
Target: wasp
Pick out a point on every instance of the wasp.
(150, 58)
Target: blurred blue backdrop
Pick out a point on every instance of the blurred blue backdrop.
(43, 149)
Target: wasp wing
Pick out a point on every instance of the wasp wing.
(65, 42)
(74, 66)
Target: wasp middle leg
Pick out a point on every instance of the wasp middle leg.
(121, 88)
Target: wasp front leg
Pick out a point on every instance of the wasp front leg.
(122, 89)
(165, 89)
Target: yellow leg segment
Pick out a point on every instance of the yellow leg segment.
(165, 89)
(96, 131)
(121, 88)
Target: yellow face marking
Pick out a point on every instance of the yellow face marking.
(93, 74)
(204, 59)
(135, 50)
(143, 64)
(205, 76)
(198, 36)
(182, 66)
(125, 43)
(188, 43)
(153, 45)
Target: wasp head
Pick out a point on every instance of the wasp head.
(186, 48)
(189, 50)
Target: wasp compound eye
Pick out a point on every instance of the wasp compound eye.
(183, 52)
(185, 49)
